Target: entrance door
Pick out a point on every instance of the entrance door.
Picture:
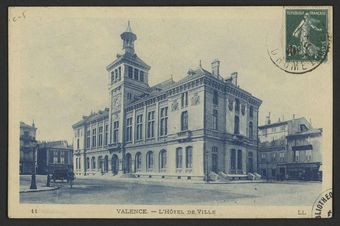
(250, 162)
(214, 162)
(128, 163)
(282, 173)
(115, 164)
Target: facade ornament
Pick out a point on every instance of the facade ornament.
(174, 105)
(195, 99)
(230, 104)
(243, 109)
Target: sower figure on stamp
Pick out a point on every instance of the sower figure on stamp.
(307, 47)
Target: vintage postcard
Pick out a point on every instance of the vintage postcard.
(170, 112)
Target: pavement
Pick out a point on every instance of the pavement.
(113, 190)
(25, 183)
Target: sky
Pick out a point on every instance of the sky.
(58, 58)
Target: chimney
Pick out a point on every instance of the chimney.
(215, 67)
(234, 77)
(293, 116)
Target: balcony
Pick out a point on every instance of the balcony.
(115, 147)
(184, 136)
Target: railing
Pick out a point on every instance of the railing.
(184, 134)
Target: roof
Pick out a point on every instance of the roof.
(275, 124)
(93, 117)
(24, 125)
(306, 133)
(132, 58)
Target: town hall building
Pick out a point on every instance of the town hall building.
(175, 129)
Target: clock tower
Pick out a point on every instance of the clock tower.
(128, 80)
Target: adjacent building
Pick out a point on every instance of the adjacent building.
(175, 129)
(28, 147)
(290, 150)
(54, 155)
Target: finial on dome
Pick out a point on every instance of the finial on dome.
(128, 29)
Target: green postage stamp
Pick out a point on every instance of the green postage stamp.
(306, 34)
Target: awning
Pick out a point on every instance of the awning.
(302, 147)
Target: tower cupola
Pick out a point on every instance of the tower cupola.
(128, 38)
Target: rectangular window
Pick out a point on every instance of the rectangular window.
(106, 134)
(237, 105)
(233, 159)
(77, 143)
(179, 158)
(94, 138)
(263, 157)
(116, 74)
(251, 111)
(308, 155)
(88, 139)
(55, 157)
(274, 157)
(239, 159)
(141, 76)
(215, 121)
(282, 156)
(184, 99)
(184, 121)
(50, 156)
(215, 98)
(129, 129)
(135, 74)
(62, 157)
(188, 157)
(115, 131)
(237, 125)
(164, 121)
(151, 124)
(130, 71)
(297, 156)
(139, 134)
(119, 73)
(112, 77)
(66, 157)
(100, 136)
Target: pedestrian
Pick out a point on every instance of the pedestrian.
(70, 176)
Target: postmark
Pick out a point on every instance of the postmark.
(322, 207)
(305, 42)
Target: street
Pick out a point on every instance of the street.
(109, 190)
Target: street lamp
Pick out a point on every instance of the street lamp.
(33, 179)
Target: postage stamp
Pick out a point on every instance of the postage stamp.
(306, 35)
(170, 112)
(306, 41)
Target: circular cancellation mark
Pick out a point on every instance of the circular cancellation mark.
(322, 207)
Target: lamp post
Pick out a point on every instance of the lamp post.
(33, 179)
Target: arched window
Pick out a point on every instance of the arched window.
(251, 130)
(162, 159)
(87, 163)
(149, 160)
(93, 163)
(106, 163)
(77, 167)
(188, 157)
(214, 159)
(179, 157)
(100, 162)
(138, 160)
